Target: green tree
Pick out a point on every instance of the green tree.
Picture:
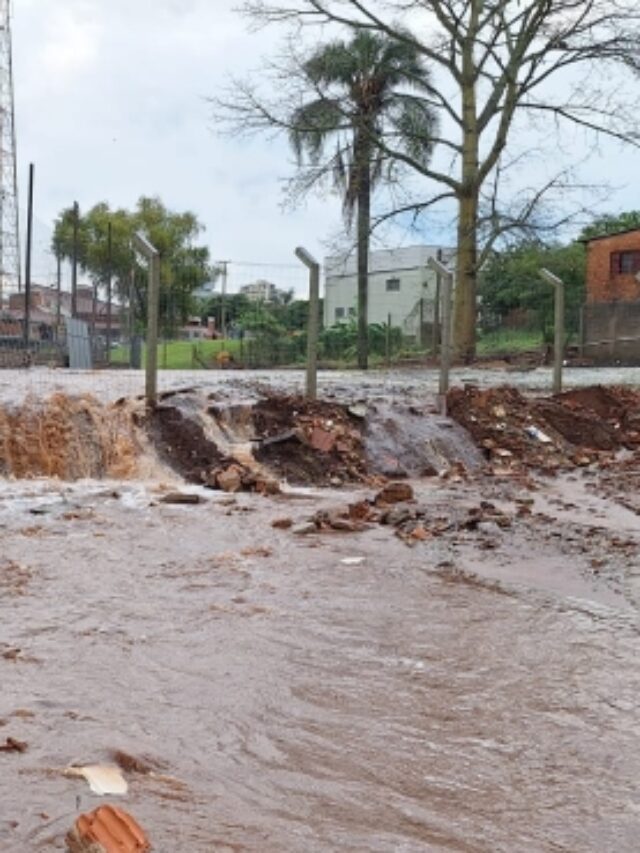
(510, 281)
(611, 223)
(235, 306)
(184, 266)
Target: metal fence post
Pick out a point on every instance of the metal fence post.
(314, 321)
(153, 303)
(558, 346)
(446, 290)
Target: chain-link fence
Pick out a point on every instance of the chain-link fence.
(520, 327)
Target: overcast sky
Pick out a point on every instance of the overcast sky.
(110, 105)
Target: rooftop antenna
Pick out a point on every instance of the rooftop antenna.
(10, 280)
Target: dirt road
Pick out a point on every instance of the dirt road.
(110, 385)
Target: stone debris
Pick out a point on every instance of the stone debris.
(181, 498)
(318, 442)
(230, 480)
(13, 745)
(574, 429)
(394, 493)
(108, 829)
(412, 522)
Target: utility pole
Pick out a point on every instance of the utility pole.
(10, 277)
(27, 280)
(74, 261)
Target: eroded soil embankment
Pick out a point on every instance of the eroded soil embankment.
(253, 444)
(246, 444)
(576, 428)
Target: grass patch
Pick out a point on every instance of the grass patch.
(509, 341)
(179, 355)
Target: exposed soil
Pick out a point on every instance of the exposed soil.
(182, 444)
(309, 442)
(572, 429)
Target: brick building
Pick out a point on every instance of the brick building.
(44, 309)
(613, 267)
(611, 318)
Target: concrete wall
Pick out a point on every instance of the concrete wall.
(407, 265)
(604, 282)
(611, 332)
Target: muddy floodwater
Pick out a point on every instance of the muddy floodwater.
(477, 692)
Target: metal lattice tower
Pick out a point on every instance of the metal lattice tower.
(9, 217)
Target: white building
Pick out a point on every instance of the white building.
(260, 291)
(401, 286)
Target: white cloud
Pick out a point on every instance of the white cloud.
(71, 43)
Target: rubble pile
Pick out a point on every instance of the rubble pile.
(576, 428)
(396, 507)
(284, 438)
(303, 442)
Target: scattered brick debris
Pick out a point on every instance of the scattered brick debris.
(13, 745)
(109, 829)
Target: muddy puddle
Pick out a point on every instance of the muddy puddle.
(476, 691)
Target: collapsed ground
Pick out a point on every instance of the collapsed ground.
(458, 593)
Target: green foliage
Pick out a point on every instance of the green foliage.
(184, 266)
(510, 283)
(260, 321)
(611, 223)
(361, 95)
(339, 343)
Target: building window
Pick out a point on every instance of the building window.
(339, 313)
(393, 284)
(352, 312)
(625, 263)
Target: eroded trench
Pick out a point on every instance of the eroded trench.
(237, 444)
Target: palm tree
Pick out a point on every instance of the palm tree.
(372, 97)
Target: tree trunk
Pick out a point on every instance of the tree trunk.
(464, 333)
(363, 229)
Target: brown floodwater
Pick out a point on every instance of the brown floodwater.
(292, 702)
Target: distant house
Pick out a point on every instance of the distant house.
(44, 309)
(611, 319)
(401, 287)
(195, 330)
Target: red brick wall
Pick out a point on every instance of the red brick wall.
(602, 284)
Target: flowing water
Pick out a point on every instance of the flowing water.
(294, 702)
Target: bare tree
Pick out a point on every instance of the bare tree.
(565, 60)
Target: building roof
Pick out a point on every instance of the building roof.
(386, 260)
(608, 236)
